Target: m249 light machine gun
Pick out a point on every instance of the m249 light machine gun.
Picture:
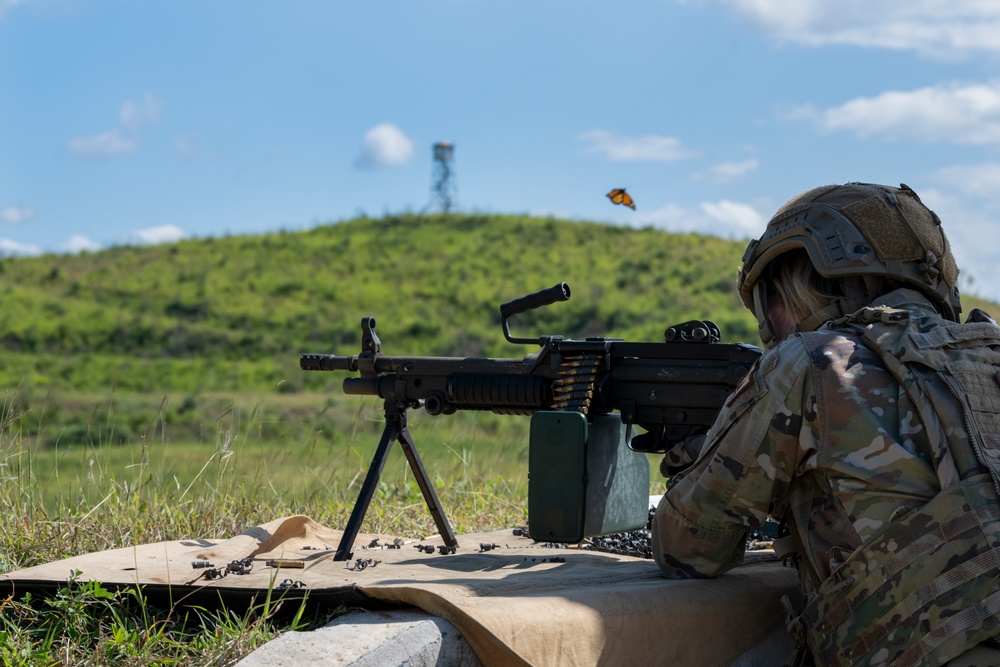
(587, 476)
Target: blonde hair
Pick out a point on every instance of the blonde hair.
(803, 290)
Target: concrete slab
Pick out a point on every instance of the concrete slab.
(370, 639)
(416, 639)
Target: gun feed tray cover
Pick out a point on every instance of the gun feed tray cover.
(514, 600)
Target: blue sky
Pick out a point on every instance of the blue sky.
(145, 122)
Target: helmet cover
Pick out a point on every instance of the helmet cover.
(858, 230)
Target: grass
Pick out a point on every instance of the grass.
(85, 623)
(260, 458)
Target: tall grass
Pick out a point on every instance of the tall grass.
(261, 458)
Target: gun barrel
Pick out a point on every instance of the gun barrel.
(328, 362)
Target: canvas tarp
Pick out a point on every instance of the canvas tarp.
(514, 601)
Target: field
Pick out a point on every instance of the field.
(154, 393)
(281, 454)
(255, 458)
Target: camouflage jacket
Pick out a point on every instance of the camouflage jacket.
(823, 435)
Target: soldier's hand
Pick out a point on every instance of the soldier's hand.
(681, 455)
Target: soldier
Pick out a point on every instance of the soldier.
(870, 428)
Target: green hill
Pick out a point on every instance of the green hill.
(235, 313)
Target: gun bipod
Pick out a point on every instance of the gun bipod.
(395, 430)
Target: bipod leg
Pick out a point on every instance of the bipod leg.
(394, 424)
(395, 429)
(426, 488)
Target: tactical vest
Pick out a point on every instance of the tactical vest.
(927, 587)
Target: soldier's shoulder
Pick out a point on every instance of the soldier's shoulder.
(827, 349)
(787, 352)
(788, 358)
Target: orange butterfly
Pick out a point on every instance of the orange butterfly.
(619, 196)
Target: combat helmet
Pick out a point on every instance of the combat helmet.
(865, 233)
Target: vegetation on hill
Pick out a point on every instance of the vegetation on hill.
(234, 313)
(103, 347)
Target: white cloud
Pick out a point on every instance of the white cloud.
(16, 214)
(107, 144)
(968, 114)
(156, 235)
(741, 220)
(190, 146)
(970, 215)
(935, 28)
(145, 111)
(727, 219)
(648, 148)
(122, 140)
(78, 243)
(972, 180)
(7, 4)
(670, 217)
(186, 146)
(727, 172)
(385, 145)
(9, 248)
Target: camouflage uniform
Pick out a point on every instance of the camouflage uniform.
(852, 446)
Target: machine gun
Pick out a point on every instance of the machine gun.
(579, 449)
